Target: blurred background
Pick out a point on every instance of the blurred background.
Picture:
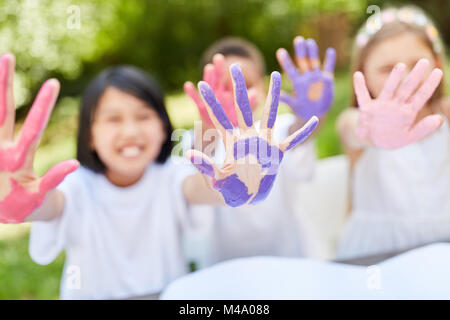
(75, 40)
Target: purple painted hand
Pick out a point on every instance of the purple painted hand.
(252, 158)
(313, 88)
(21, 191)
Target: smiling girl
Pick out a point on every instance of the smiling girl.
(120, 215)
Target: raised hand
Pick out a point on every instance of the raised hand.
(252, 158)
(216, 76)
(313, 87)
(21, 191)
(388, 121)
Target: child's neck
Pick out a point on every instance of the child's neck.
(121, 180)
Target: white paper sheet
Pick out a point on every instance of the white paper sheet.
(422, 273)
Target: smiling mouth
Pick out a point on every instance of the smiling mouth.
(131, 151)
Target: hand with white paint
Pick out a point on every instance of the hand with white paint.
(252, 157)
(388, 121)
(21, 190)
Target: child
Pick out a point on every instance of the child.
(398, 143)
(271, 228)
(119, 217)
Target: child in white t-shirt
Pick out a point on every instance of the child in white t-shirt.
(273, 227)
(120, 216)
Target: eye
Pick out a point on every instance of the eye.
(113, 119)
(144, 116)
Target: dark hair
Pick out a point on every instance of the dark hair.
(130, 80)
(232, 46)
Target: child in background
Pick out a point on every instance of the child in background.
(120, 216)
(397, 137)
(272, 228)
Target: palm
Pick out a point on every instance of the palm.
(389, 121)
(252, 158)
(21, 190)
(313, 87)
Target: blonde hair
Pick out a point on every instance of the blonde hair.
(391, 29)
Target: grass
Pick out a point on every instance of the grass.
(20, 277)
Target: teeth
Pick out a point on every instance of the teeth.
(130, 152)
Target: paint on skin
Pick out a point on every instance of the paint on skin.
(216, 107)
(275, 97)
(203, 166)
(265, 186)
(241, 94)
(4, 67)
(234, 191)
(301, 103)
(268, 156)
(302, 135)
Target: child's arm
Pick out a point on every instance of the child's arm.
(252, 158)
(313, 87)
(22, 193)
(388, 122)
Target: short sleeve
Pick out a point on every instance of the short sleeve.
(49, 238)
(179, 168)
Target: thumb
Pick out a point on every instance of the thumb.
(287, 99)
(202, 162)
(56, 175)
(425, 126)
(300, 135)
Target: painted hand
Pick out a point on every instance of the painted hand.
(388, 121)
(21, 191)
(313, 88)
(252, 158)
(216, 76)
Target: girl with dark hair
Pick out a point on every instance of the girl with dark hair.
(120, 216)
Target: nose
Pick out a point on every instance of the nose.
(130, 128)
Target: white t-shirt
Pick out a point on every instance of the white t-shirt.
(271, 227)
(119, 242)
(401, 198)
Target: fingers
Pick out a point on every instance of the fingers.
(7, 107)
(220, 70)
(300, 54)
(426, 90)
(37, 119)
(244, 112)
(191, 91)
(286, 63)
(271, 107)
(425, 126)
(392, 82)
(300, 135)
(56, 175)
(411, 82)
(313, 53)
(361, 91)
(202, 162)
(209, 75)
(215, 110)
(330, 61)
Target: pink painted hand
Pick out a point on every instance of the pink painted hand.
(215, 75)
(388, 121)
(21, 191)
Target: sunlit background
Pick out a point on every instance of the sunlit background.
(74, 40)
